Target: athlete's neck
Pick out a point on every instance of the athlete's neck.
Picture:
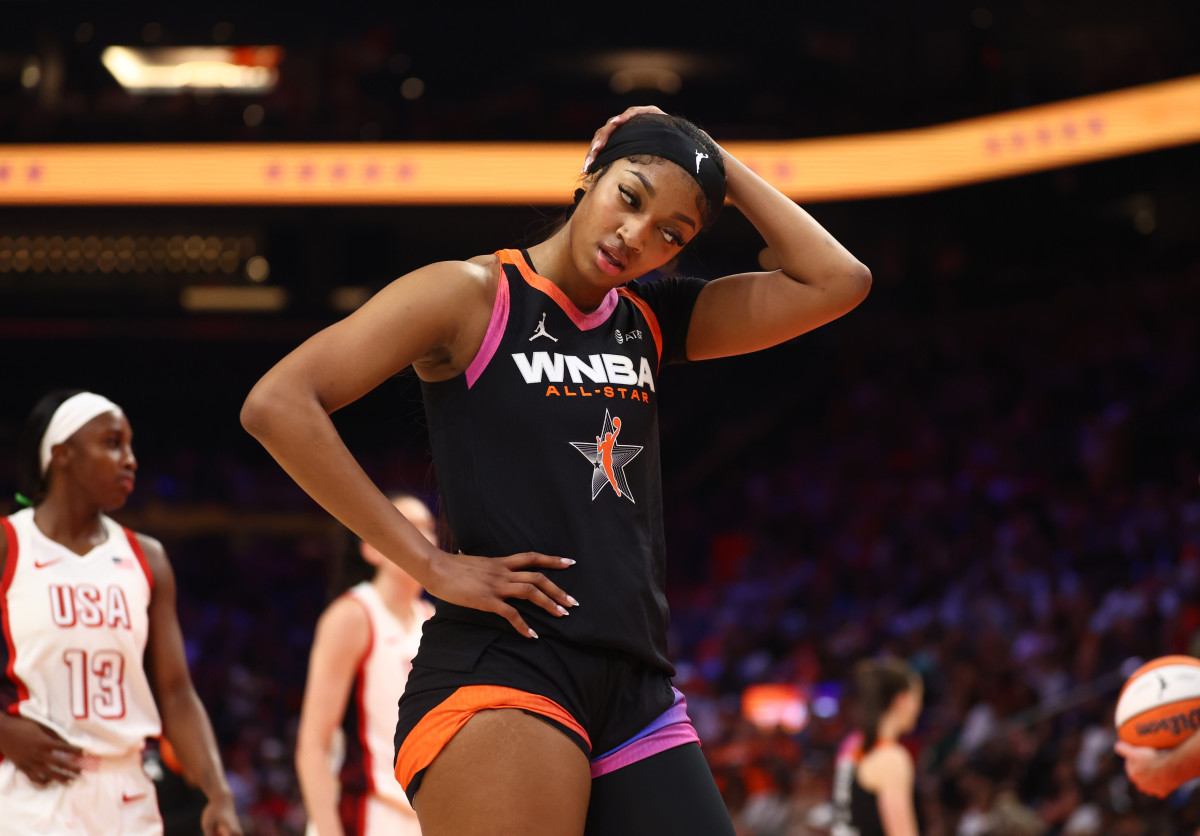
(889, 729)
(552, 261)
(400, 598)
(70, 521)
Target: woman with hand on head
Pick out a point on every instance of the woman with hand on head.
(361, 655)
(874, 791)
(93, 660)
(540, 701)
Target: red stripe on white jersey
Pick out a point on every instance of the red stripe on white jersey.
(360, 678)
(10, 570)
(136, 545)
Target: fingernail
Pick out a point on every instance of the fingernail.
(572, 601)
(532, 634)
(595, 147)
(562, 610)
(568, 561)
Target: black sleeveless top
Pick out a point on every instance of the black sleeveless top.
(855, 810)
(549, 443)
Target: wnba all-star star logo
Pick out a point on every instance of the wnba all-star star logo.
(608, 458)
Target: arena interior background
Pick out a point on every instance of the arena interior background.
(989, 468)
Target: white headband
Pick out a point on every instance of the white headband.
(72, 414)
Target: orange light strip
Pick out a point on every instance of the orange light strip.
(835, 168)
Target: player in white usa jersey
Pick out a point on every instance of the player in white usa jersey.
(361, 655)
(92, 655)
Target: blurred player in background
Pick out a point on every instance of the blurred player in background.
(874, 791)
(361, 656)
(93, 661)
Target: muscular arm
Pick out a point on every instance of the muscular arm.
(434, 319)
(422, 318)
(185, 723)
(818, 280)
(342, 639)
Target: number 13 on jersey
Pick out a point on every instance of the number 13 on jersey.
(97, 683)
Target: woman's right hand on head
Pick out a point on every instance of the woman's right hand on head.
(484, 583)
(600, 139)
(38, 752)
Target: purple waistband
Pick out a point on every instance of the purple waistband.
(670, 729)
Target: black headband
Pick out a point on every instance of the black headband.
(657, 139)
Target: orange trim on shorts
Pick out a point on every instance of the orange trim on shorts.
(433, 732)
(648, 313)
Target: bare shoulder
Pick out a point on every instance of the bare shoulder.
(887, 762)
(465, 292)
(480, 271)
(156, 557)
(491, 262)
(445, 287)
(345, 625)
(478, 276)
(151, 547)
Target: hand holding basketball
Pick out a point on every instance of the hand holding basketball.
(1146, 769)
(1157, 716)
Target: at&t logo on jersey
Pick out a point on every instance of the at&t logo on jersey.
(615, 372)
(608, 458)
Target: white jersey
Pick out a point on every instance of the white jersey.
(75, 632)
(378, 685)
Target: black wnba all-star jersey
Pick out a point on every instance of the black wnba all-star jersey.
(549, 443)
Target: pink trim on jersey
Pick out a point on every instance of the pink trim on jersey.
(851, 748)
(495, 331)
(670, 729)
(584, 322)
(136, 545)
(10, 571)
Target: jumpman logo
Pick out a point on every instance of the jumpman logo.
(541, 331)
(608, 458)
(700, 156)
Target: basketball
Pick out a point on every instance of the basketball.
(1159, 706)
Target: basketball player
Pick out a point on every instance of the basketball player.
(92, 654)
(530, 710)
(365, 643)
(1161, 772)
(873, 790)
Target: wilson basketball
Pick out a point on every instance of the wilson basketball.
(1159, 706)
